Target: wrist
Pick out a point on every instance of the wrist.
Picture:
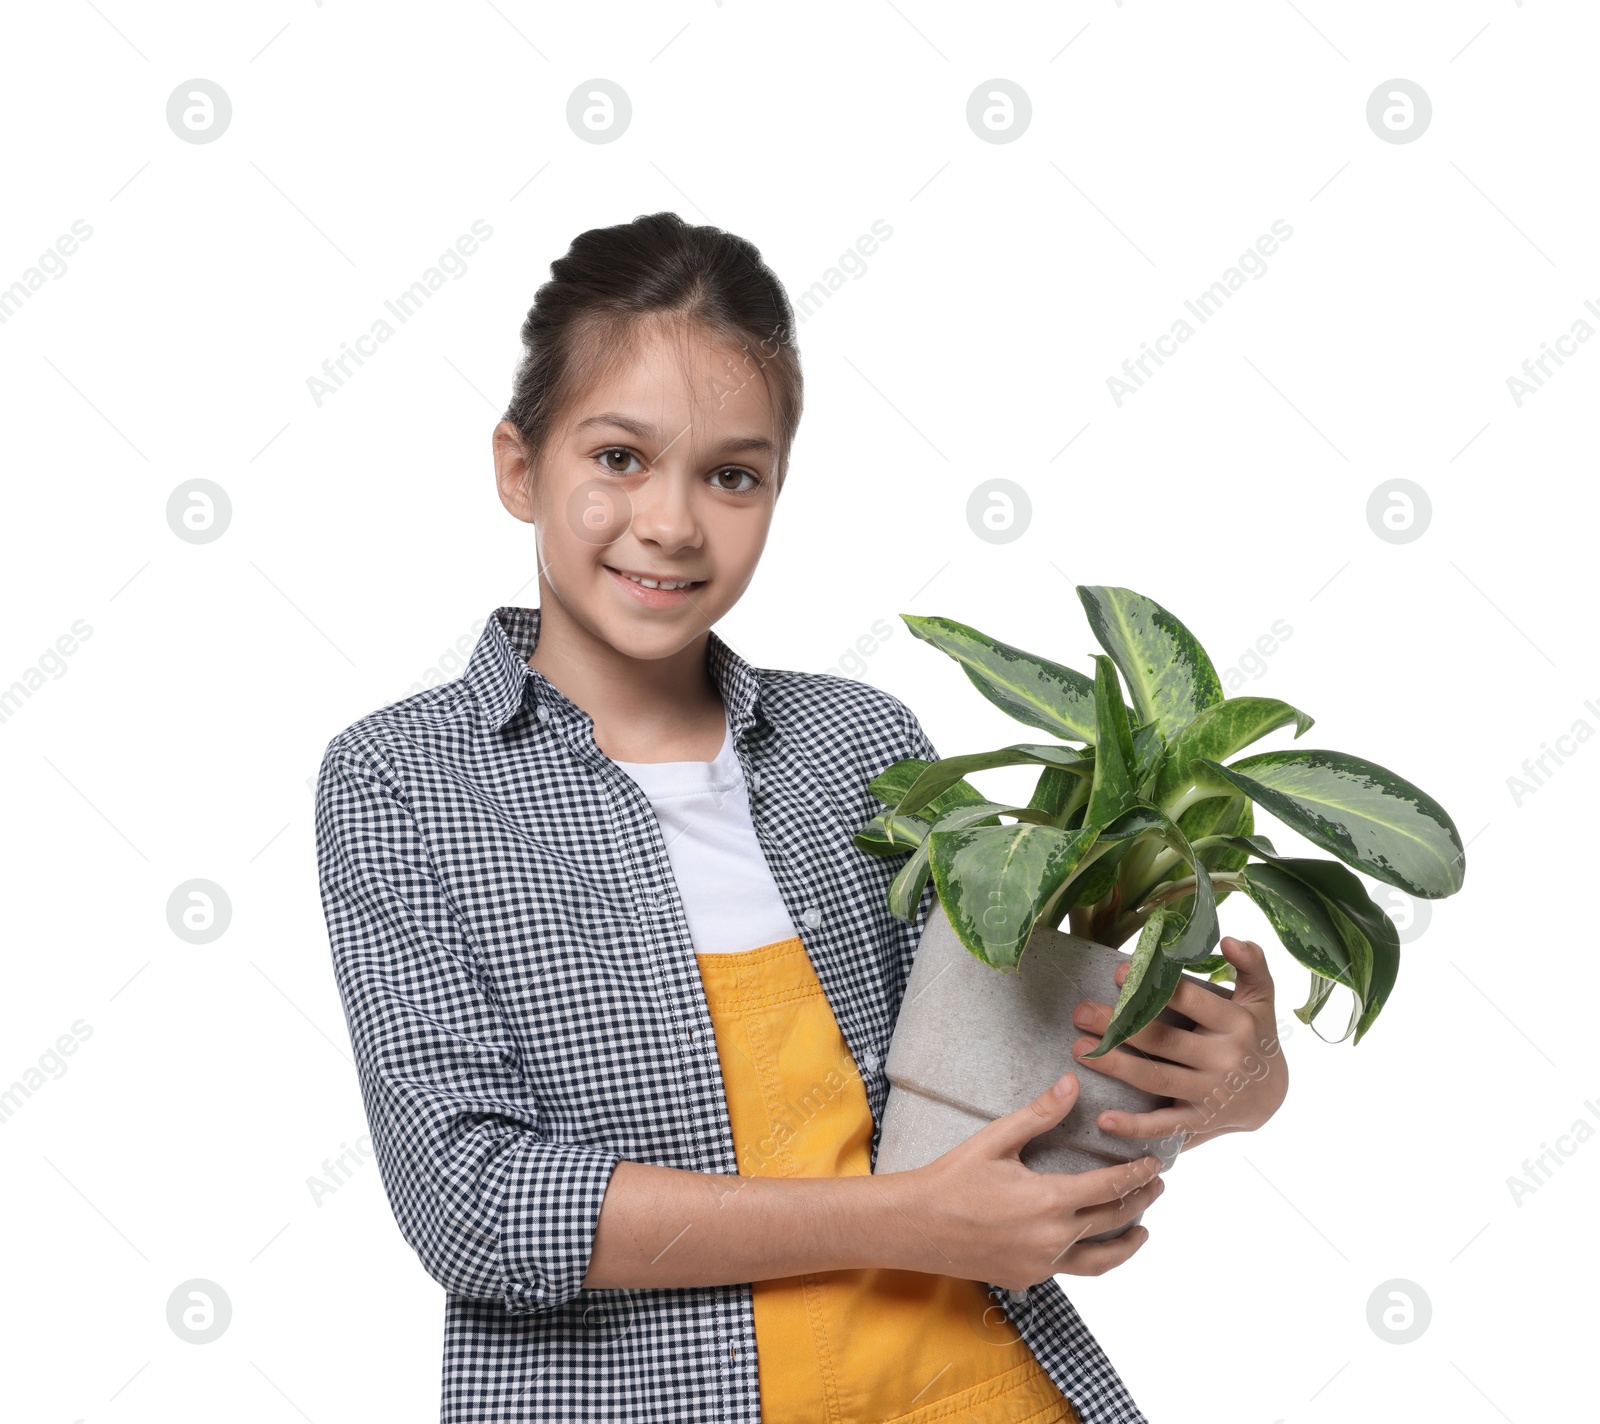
(895, 1211)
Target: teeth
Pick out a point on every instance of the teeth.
(659, 583)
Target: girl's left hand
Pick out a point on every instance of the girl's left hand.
(1227, 1074)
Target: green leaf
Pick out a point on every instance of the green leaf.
(1345, 891)
(1208, 822)
(1200, 933)
(1149, 748)
(1385, 970)
(1152, 979)
(1032, 689)
(905, 890)
(1302, 919)
(1365, 814)
(993, 881)
(876, 839)
(1059, 793)
(1213, 825)
(1169, 676)
(1211, 966)
(1219, 732)
(891, 784)
(1114, 785)
(1095, 882)
(1144, 870)
(888, 834)
(1360, 948)
(1321, 991)
(949, 771)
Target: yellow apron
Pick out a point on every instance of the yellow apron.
(851, 1346)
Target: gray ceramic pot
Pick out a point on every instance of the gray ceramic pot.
(973, 1043)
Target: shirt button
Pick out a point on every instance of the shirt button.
(755, 782)
(544, 713)
(812, 916)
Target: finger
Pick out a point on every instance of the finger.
(1113, 1184)
(1212, 1009)
(1008, 1135)
(1179, 1045)
(1108, 1216)
(1165, 1080)
(1095, 1258)
(1163, 1124)
(1253, 979)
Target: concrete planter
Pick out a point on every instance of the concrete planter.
(973, 1043)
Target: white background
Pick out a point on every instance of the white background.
(366, 539)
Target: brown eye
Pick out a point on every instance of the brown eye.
(617, 453)
(737, 474)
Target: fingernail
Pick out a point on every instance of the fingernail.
(1063, 1085)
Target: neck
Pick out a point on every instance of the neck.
(644, 709)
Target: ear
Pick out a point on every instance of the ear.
(513, 472)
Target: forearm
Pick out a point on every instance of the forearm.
(663, 1227)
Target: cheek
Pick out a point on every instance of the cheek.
(570, 557)
(737, 549)
(580, 522)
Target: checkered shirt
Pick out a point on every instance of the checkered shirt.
(525, 1009)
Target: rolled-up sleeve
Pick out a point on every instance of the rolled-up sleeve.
(917, 741)
(494, 1209)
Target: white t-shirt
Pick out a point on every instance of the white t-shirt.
(729, 896)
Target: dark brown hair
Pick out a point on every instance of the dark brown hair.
(655, 269)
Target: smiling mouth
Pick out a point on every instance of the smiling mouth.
(655, 581)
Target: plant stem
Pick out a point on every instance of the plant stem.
(1182, 889)
(1134, 874)
(1049, 912)
(1149, 874)
(1192, 793)
(1126, 924)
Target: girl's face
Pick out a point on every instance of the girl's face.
(666, 471)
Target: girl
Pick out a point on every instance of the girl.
(620, 986)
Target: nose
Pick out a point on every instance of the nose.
(663, 511)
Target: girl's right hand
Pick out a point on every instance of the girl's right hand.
(980, 1213)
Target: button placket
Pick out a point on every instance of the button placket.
(658, 904)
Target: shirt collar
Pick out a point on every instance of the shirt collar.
(499, 677)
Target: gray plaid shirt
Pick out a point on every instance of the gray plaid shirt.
(525, 1008)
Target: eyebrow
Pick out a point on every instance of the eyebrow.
(643, 431)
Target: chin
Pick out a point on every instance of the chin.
(650, 637)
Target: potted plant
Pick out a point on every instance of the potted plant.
(1141, 823)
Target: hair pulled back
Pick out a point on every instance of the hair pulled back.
(657, 268)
